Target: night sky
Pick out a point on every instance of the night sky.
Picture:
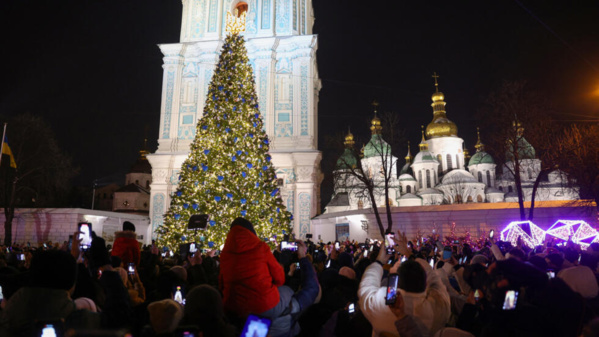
(93, 71)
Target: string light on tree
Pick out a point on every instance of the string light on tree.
(229, 172)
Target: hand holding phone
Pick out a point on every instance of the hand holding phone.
(511, 300)
(391, 294)
(131, 269)
(256, 327)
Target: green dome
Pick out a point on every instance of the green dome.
(525, 150)
(405, 168)
(481, 157)
(376, 147)
(346, 160)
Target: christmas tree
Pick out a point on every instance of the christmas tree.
(229, 172)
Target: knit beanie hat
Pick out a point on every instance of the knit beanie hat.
(128, 226)
(55, 269)
(244, 223)
(85, 304)
(165, 315)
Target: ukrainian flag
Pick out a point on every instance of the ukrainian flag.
(6, 150)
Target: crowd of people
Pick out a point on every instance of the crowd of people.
(392, 287)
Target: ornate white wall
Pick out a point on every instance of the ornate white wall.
(282, 52)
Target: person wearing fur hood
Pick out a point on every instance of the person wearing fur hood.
(126, 245)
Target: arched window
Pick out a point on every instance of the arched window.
(489, 181)
(241, 8)
(360, 204)
(457, 161)
(440, 169)
(510, 189)
(501, 188)
(480, 177)
(458, 199)
(449, 164)
(136, 182)
(529, 173)
(428, 178)
(420, 179)
(390, 202)
(479, 198)
(469, 198)
(408, 189)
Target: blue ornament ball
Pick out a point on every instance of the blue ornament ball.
(229, 195)
(265, 167)
(185, 205)
(244, 212)
(195, 206)
(217, 198)
(243, 201)
(249, 165)
(179, 193)
(212, 223)
(205, 127)
(177, 216)
(211, 244)
(239, 152)
(220, 178)
(206, 151)
(243, 174)
(233, 158)
(204, 167)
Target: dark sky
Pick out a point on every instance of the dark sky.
(93, 70)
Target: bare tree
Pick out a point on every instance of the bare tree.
(577, 154)
(43, 171)
(514, 117)
(368, 175)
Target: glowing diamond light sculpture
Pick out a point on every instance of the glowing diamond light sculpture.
(530, 234)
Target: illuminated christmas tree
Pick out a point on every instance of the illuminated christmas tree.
(229, 172)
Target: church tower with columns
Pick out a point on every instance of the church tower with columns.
(282, 52)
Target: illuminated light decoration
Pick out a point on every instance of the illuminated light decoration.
(530, 234)
(579, 231)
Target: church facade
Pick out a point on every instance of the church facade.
(282, 52)
(441, 173)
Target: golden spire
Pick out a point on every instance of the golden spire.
(479, 145)
(441, 126)
(144, 152)
(375, 125)
(349, 139)
(423, 144)
(409, 155)
(235, 25)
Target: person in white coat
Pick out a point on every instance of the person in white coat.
(425, 297)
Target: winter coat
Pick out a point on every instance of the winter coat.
(126, 247)
(430, 309)
(249, 274)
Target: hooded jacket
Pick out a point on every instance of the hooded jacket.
(429, 309)
(249, 274)
(126, 247)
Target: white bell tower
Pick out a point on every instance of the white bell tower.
(282, 52)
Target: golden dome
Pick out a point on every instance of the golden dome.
(438, 96)
(349, 140)
(375, 125)
(441, 127)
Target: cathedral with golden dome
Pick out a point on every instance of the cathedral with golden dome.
(441, 173)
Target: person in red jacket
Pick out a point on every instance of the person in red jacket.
(249, 273)
(126, 245)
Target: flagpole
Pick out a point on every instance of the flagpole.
(2, 146)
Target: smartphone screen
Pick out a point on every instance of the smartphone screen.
(178, 295)
(329, 264)
(389, 242)
(391, 295)
(366, 253)
(192, 248)
(86, 234)
(21, 257)
(491, 233)
(551, 274)
(256, 327)
(288, 245)
(297, 266)
(432, 263)
(131, 269)
(447, 254)
(337, 245)
(351, 309)
(511, 298)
